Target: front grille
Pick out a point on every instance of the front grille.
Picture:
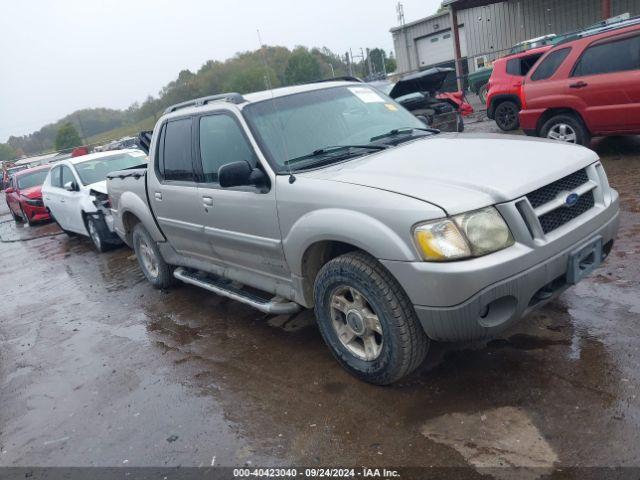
(558, 217)
(549, 192)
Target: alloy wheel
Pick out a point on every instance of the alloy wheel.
(148, 259)
(355, 323)
(563, 132)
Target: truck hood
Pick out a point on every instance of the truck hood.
(100, 187)
(462, 172)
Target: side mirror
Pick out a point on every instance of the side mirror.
(71, 186)
(9, 190)
(239, 174)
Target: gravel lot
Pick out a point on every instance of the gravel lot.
(98, 368)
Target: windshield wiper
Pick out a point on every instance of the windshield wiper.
(321, 152)
(401, 131)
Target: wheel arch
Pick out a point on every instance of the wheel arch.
(549, 113)
(496, 100)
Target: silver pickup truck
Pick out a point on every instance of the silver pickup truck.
(331, 196)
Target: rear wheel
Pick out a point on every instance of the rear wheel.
(506, 116)
(566, 128)
(157, 271)
(367, 320)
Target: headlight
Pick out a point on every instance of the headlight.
(471, 234)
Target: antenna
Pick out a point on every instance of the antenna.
(267, 81)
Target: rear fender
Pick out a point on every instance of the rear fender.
(129, 205)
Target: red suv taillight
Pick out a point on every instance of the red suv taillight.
(523, 100)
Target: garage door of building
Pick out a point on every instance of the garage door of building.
(438, 48)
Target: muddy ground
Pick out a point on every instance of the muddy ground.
(98, 368)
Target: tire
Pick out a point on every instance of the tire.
(566, 128)
(157, 271)
(460, 123)
(99, 234)
(25, 217)
(482, 93)
(16, 218)
(506, 116)
(362, 287)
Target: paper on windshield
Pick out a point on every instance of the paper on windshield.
(366, 95)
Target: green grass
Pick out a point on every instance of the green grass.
(126, 131)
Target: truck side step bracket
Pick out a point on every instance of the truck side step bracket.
(226, 288)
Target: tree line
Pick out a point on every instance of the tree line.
(270, 66)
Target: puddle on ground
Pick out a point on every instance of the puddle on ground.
(493, 439)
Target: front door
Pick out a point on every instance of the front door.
(173, 192)
(240, 224)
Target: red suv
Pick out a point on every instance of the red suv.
(24, 197)
(587, 86)
(503, 99)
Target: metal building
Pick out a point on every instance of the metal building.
(487, 29)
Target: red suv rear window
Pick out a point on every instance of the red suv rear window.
(550, 64)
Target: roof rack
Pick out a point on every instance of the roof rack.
(231, 97)
(602, 27)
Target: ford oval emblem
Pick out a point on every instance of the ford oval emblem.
(571, 199)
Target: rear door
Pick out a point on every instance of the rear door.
(240, 223)
(607, 78)
(173, 193)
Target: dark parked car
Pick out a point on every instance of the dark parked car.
(420, 93)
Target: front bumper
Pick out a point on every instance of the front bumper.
(478, 298)
(35, 213)
(529, 121)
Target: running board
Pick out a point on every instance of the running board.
(227, 289)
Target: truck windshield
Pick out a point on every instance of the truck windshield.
(93, 171)
(298, 125)
(28, 180)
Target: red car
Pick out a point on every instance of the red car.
(586, 86)
(503, 98)
(24, 197)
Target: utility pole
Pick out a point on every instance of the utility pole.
(400, 11)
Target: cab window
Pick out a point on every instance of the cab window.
(175, 161)
(222, 141)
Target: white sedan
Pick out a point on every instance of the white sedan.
(75, 193)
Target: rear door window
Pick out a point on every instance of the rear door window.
(616, 56)
(175, 160)
(549, 66)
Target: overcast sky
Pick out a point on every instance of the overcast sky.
(60, 56)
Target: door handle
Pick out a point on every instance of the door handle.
(158, 196)
(208, 201)
(578, 85)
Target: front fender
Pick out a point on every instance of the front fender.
(131, 203)
(348, 226)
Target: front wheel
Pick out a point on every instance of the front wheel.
(99, 234)
(367, 320)
(566, 128)
(157, 271)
